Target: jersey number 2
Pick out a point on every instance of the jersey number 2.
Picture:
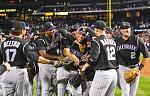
(10, 55)
(111, 53)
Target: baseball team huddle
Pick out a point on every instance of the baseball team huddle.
(71, 62)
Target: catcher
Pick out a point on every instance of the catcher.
(128, 49)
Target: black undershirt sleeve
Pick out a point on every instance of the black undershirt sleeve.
(30, 54)
(95, 51)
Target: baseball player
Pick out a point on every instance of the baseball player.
(64, 73)
(17, 53)
(103, 59)
(109, 32)
(128, 49)
(3, 67)
(90, 72)
(49, 46)
(33, 69)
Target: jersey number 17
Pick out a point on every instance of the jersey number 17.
(10, 55)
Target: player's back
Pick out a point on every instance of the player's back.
(107, 57)
(13, 51)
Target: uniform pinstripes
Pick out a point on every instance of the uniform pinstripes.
(104, 83)
(47, 73)
(15, 82)
(125, 87)
(88, 85)
(1, 87)
(38, 85)
(63, 75)
(61, 89)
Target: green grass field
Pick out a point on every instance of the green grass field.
(143, 89)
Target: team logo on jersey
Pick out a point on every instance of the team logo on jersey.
(127, 46)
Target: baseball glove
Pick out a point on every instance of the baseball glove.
(76, 80)
(130, 75)
(62, 62)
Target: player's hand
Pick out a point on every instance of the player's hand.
(85, 57)
(7, 66)
(61, 58)
(76, 61)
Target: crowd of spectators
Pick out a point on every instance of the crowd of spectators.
(143, 32)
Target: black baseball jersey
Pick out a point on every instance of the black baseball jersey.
(89, 72)
(53, 46)
(17, 52)
(128, 51)
(103, 53)
(33, 45)
(2, 67)
(74, 49)
(70, 39)
(32, 65)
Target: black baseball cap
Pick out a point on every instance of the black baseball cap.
(63, 32)
(109, 30)
(90, 31)
(74, 27)
(125, 25)
(49, 26)
(100, 25)
(82, 32)
(18, 25)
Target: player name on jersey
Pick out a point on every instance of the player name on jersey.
(11, 44)
(127, 46)
(108, 41)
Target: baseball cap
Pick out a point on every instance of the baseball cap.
(49, 26)
(125, 25)
(63, 32)
(100, 25)
(109, 30)
(82, 32)
(73, 27)
(18, 25)
(91, 31)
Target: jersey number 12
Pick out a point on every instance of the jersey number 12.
(111, 53)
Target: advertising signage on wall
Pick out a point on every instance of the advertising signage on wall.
(7, 10)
